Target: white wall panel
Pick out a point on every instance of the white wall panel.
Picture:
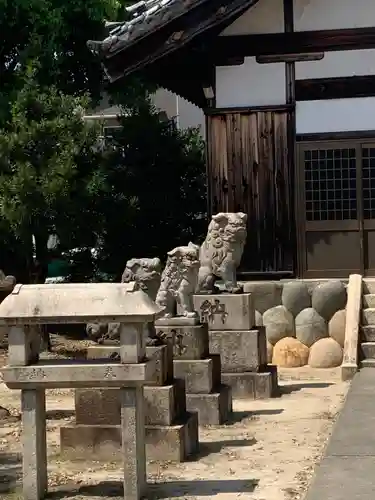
(337, 115)
(337, 64)
(264, 17)
(312, 15)
(250, 84)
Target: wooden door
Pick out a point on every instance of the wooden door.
(336, 207)
(249, 170)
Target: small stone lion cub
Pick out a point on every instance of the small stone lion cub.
(178, 281)
(221, 252)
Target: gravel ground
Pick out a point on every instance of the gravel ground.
(267, 452)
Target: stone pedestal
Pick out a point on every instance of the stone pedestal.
(242, 347)
(200, 372)
(171, 432)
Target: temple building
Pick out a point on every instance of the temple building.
(288, 92)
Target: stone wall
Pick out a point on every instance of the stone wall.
(304, 321)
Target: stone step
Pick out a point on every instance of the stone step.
(368, 316)
(367, 363)
(368, 300)
(368, 286)
(368, 333)
(368, 350)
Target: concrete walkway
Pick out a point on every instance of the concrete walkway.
(347, 471)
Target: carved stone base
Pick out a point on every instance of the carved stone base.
(103, 442)
(226, 311)
(187, 342)
(240, 350)
(171, 432)
(252, 385)
(213, 408)
(201, 376)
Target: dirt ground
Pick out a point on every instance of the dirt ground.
(268, 450)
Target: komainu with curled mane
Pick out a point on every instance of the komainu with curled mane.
(221, 252)
(145, 272)
(178, 281)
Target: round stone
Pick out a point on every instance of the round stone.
(310, 327)
(264, 294)
(329, 297)
(325, 353)
(290, 353)
(296, 297)
(269, 352)
(336, 327)
(258, 318)
(279, 323)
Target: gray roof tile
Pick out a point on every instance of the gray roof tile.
(144, 16)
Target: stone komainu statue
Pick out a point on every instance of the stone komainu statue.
(179, 280)
(221, 252)
(147, 274)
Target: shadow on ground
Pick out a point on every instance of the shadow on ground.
(60, 414)
(238, 416)
(207, 448)
(10, 471)
(289, 388)
(159, 491)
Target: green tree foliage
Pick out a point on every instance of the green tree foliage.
(50, 173)
(156, 194)
(54, 32)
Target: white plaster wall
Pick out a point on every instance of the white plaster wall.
(190, 115)
(312, 15)
(264, 17)
(165, 101)
(187, 114)
(337, 64)
(336, 115)
(250, 84)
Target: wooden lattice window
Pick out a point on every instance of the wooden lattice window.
(368, 182)
(330, 184)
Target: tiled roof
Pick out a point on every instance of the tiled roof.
(145, 15)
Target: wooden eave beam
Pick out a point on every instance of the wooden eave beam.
(296, 42)
(206, 18)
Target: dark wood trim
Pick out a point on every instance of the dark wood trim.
(230, 61)
(360, 214)
(288, 16)
(368, 224)
(331, 226)
(249, 109)
(208, 172)
(266, 275)
(289, 58)
(299, 210)
(335, 88)
(290, 95)
(290, 73)
(337, 136)
(341, 274)
(298, 41)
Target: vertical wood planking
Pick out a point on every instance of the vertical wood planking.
(250, 172)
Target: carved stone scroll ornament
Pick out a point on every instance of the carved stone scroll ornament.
(221, 252)
(178, 281)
